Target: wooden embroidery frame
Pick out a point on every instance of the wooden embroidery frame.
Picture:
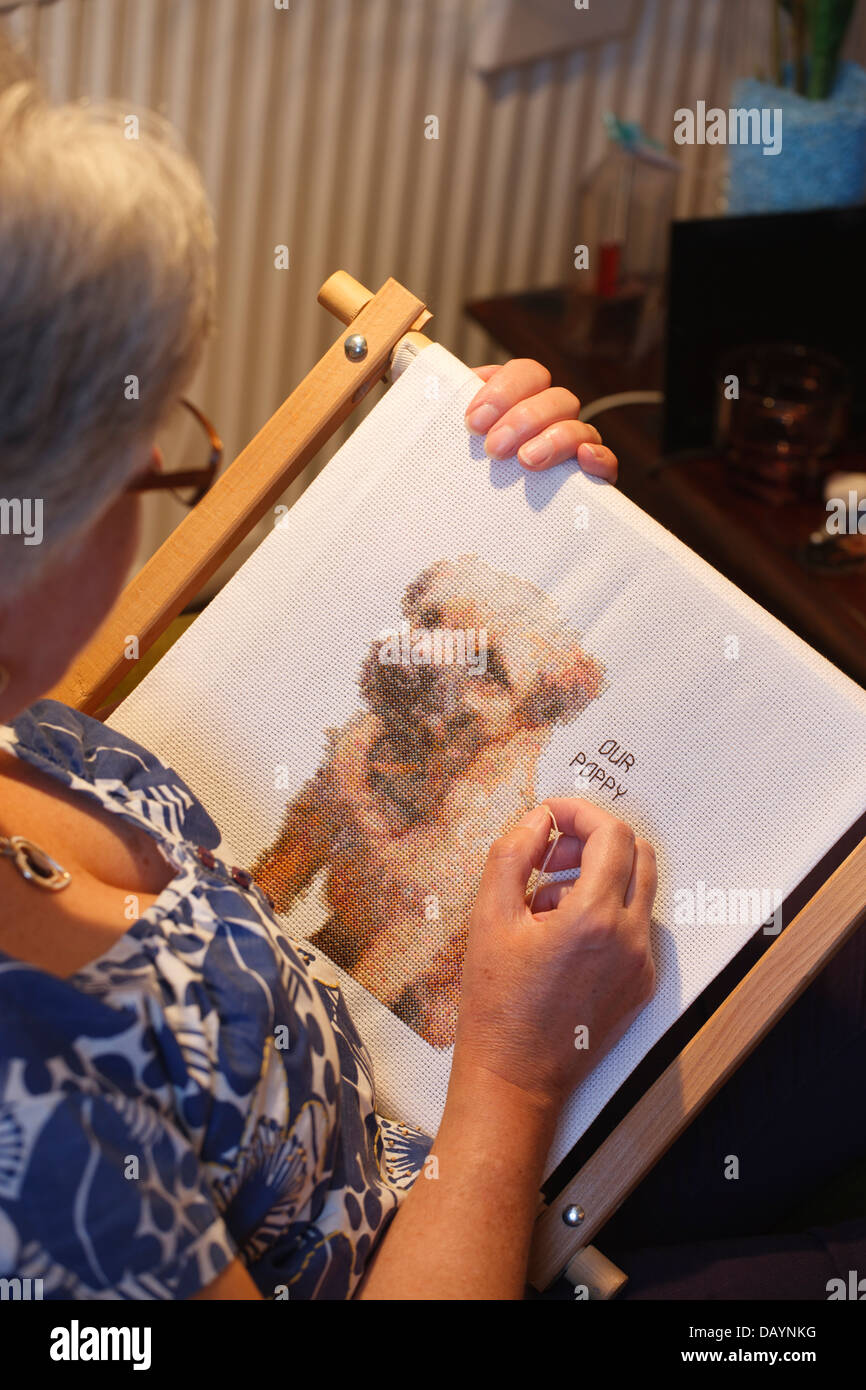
(191, 555)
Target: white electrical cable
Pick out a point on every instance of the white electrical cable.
(589, 412)
(407, 350)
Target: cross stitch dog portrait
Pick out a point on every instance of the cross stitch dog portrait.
(461, 699)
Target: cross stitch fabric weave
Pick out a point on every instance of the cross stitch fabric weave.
(428, 643)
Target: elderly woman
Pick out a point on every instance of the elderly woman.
(153, 1141)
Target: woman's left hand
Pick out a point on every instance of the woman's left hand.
(521, 413)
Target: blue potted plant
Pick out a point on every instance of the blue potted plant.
(819, 104)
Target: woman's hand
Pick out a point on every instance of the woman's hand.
(530, 980)
(547, 993)
(521, 413)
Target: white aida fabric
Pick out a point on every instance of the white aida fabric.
(625, 668)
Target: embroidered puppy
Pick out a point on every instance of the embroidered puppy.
(414, 789)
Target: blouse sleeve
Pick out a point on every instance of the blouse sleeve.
(101, 1197)
(76, 745)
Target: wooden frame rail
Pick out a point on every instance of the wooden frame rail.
(702, 1068)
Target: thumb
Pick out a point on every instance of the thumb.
(510, 862)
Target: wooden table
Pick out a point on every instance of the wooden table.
(754, 544)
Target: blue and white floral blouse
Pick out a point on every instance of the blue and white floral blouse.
(198, 1092)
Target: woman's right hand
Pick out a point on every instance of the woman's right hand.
(529, 980)
(581, 960)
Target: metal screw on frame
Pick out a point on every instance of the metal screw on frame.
(573, 1215)
(356, 347)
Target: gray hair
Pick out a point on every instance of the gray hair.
(106, 298)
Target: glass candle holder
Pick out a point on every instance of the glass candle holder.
(781, 410)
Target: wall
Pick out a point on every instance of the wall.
(309, 126)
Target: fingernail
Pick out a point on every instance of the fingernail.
(536, 451)
(482, 418)
(592, 451)
(502, 445)
(535, 819)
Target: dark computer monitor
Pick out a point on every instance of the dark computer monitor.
(795, 277)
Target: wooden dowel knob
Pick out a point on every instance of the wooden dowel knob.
(343, 296)
(596, 1273)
